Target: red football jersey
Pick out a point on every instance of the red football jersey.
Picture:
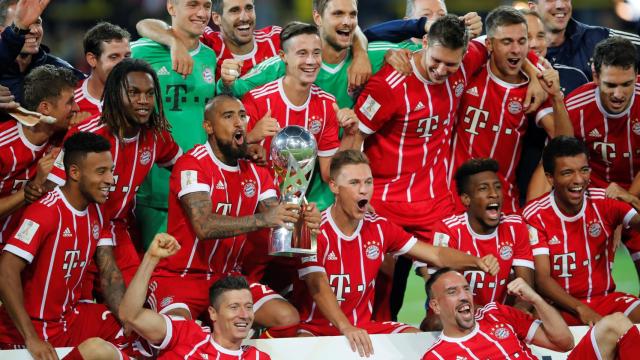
(186, 339)
(613, 140)
(491, 124)
(234, 190)
(57, 241)
(18, 163)
(132, 159)
(509, 243)
(85, 101)
(501, 332)
(266, 43)
(581, 249)
(351, 264)
(412, 119)
(316, 115)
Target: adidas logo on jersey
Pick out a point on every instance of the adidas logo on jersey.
(163, 71)
(554, 241)
(473, 91)
(66, 233)
(420, 106)
(332, 256)
(595, 133)
(219, 185)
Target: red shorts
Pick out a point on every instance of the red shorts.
(423, 216)
(192, 294)
(89, 320)
(605, 305)
(587, 348)
(372, 327)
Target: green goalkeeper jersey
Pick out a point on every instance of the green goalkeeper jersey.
(183, 100)
(332, 78)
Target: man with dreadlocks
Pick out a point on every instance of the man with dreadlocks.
(133, 122)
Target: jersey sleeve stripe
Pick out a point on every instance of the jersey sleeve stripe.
(542, 113)
(410, 244)
(55, 179)
(327, 153)
(193, 188)
(540, 251)
(532, 331)
(270, 193)
(580, 97)
(309, 270)
(577, 105)
(524, 263)
(362, 127)
(173, 160)
(19, 252)
(168, 335)
(635, 39)
(106, 242)
(628, 217)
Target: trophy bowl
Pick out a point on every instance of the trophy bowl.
(293, 154)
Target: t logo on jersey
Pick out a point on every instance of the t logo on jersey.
(606, 150)
(223, 208)
(425, 126)
(71, 262)
(564, 263)
(475, 279)
(475, 118)
(341, 284)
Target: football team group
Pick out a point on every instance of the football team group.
(497, 157)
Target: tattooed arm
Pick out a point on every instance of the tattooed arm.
(209, 225)
(111, 280)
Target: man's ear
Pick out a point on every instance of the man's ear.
(465, 199)
(45, 107)
(216, 18)
(317, 18)
(91, 59)
(213, 314)
(433, 304)
(208, 128)
(74, 172)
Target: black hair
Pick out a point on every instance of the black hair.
(102, 32)
(296, 28)
(344, 158)
(114, 110)
(470, 168)
(433, 278)
(450, 32)
(503, 16)
(561, 146)
(321, 5)
(615, 51)
(223, 285)
(78, 145)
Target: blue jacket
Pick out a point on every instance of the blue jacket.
(10, 75)
(396, 30)
(580, 41)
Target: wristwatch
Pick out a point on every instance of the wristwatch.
(19, 31)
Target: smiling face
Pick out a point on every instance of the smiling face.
(555, 14)
(139, 97)
(113, 51)
(538, 42)
(616, 86)
(95, 176)
(232, 317)
(33, 39)
(431, 9)
(440, 62)
(189, 16)
(508, 47)
(338, 23)
(570, 180)
(453, 302)
(483, 199)
(353, 188)
(303, 57)
(237, 21)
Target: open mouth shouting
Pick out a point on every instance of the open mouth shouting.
(244, 29)
(493, 211)
(362, 205)
(344, 35)
(238, 138)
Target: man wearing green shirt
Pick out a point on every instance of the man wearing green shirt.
(184, 100)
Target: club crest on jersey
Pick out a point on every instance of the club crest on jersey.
(145, 157)
(207, 75)
(166, 301)
(372, 250)
(501, 332)
(506, 252)
(95, 231)
(315, 125)
(458, 88)
(249, 188)
(514, 106)
(635, 127)
(595, 229)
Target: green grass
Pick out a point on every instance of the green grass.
(412, 310)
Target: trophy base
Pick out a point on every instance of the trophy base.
(283, 243)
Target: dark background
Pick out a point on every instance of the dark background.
(65, 21)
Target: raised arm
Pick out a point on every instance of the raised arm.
(558, 122)
(11, 295)
(148, 323)
(159, 31)
(318, 286)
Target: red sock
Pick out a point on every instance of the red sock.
(629, 344)
(280, 332)
(73, 355)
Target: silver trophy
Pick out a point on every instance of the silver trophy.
(293, 153)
